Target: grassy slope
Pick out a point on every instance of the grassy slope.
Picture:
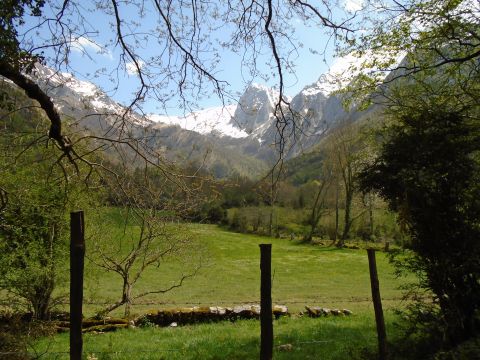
(304, 274)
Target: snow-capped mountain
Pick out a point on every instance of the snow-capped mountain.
(208, 121)
(255, 109)
(238, 136)
(74, 95)
(250, 117)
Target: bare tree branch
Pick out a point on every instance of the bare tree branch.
(34, 92)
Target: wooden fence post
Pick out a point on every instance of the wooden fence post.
(77, 254)
(266, 318)
(377, 305)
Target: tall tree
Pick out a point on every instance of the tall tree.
(319, 206)
(428, 166)
(345, 152)
(428, 171)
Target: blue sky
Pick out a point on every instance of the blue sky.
(95, 57)
(89, 57)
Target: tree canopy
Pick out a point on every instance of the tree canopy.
(428, 171)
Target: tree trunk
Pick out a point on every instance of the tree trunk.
(125, 300)
(348, 216)
(41, 299)
(127, 297)
(270, 223)
(370, 214)
(45, 283)
(337, 218)
(318, 206)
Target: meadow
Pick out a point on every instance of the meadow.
(230, 274)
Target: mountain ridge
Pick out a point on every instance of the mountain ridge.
(242, 133)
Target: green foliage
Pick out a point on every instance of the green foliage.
(428, 171)
(290, 221)
(11, 16)
(440, 42)
(238, 192)
(305, 167)
(209, 212)
(33, 230)
(33, 220)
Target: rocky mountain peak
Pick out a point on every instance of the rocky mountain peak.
(255, 108)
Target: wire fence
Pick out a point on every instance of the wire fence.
(93, 354)
(154, 351)
(158, 351)
(306, 301)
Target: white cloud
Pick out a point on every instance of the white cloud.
(83, 44)
(87, 43)
(353, 5)
(132, 68)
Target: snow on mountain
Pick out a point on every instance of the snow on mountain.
(346, 68)
(252, 117)
(255, 110)
(215, 120)
(72, 96)
(238, 137)
(309, 102)
(249, 125)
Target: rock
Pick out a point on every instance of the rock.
(217, 310)
(202, 314)
(255, 310)
(314, 311)
(246, 312)
(337, 312)
(310, 311)
(326, 311)
(173, 324)
(285, 347)
(347, 312)
(279, 310)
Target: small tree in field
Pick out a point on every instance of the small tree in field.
(141, 233)
(428, 171)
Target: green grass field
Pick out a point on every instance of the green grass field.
(230, 274)
(302, 275)
(324, 338)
